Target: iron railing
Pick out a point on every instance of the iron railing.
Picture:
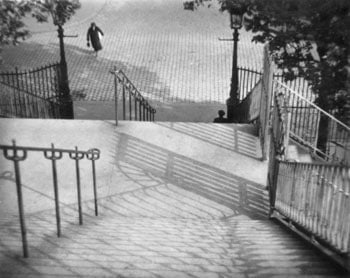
(15, 103)
(316, 197)
(265, 102)
(41, 82)
(279, 139)
(248, 78)
(134, 106)
(18, 154)
(305, 126)
(312, 199)
(30, 93)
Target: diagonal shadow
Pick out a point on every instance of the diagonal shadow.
(239, 139)
(214, 184)
(166, 227)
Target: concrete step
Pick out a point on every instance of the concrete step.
(175, 200)
(145, 246)
(166, 112)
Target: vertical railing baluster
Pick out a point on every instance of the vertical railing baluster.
(16, 158)
(143, 112)
(93, 155)
(78, 156)
(115, 95)
(124, 102)
(135, 105)
(140, 110)
(51, 155)
(130, 106)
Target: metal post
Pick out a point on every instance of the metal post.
(93, 155)
(78, 156)
(95, 188)
(115, 95)
(233, 100)
(64, 94)
(16, 158)
(53, 157)
(124, 104)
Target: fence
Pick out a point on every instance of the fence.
(313, 197)
(18, 153)
(41, 82)
(17, 103)
(248, 78)
(30, 93)
(279, 138)
(134, 105)
(265, 102)
(316, 197)
(306, 127)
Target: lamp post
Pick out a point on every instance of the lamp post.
(66, 103)
(236, 23)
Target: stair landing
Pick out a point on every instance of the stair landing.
(176, 200)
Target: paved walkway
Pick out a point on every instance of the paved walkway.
(171, 54)
(176, 200)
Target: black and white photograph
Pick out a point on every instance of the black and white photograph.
(174, 138)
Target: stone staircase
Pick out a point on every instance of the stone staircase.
(181, 200)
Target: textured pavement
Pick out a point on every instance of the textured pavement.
(170, 54)
(175, 204)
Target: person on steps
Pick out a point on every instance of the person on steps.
(93, 35)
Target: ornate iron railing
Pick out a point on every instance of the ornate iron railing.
(30, 93)
(316, 197)
(248, 78)
(134, 105)
(312, 199)
(305, 127)
(41, 82)
(15, 103)
(18, 154)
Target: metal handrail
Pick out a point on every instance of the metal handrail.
(305, 124)
(312, 104)
(316, 196)
(41, 81)
(17, 103)
(19, 153)
(142, 110)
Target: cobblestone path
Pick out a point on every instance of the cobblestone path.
(170, 54)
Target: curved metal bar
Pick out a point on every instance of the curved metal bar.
(93, 154)
(51, 154)
(76, 155)
(15, 156)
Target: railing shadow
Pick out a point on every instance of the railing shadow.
(229, 137)
(180, 220)
(234, 192)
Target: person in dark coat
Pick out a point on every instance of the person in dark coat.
(93, 35)
(221, 118)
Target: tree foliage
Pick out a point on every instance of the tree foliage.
(59, 10)
(307, 38)
(12, 12)
(12, 27)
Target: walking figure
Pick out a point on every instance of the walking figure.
(93, 35)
